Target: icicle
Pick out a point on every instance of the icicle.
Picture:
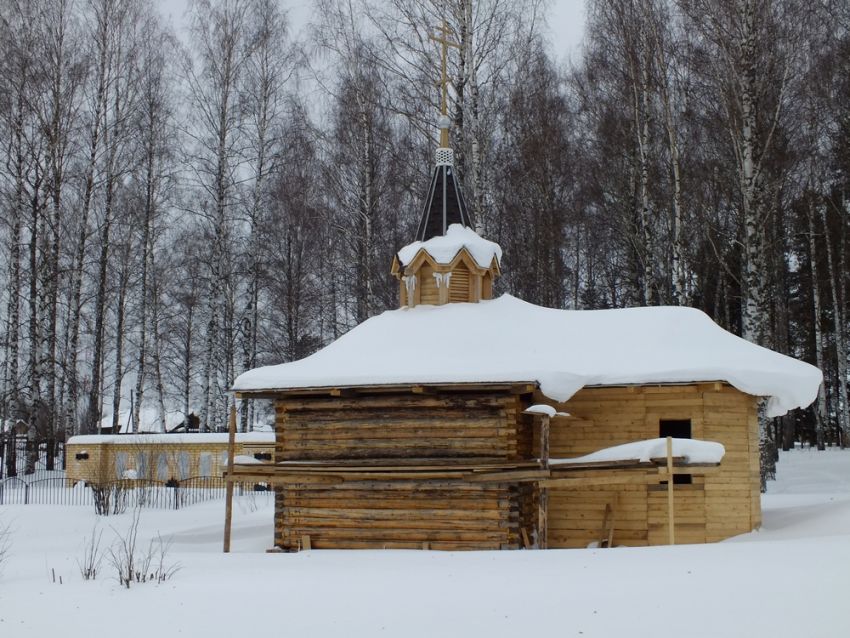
(410, 285)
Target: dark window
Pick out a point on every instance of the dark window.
(678, 429)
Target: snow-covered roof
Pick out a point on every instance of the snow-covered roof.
(444, 248)
(173, 439)
(508, 340)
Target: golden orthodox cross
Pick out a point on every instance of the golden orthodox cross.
(443, 39)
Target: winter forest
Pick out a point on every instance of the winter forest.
(178, 208)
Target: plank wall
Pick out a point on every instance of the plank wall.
(714, 507)
(401, 513)
(429, 292)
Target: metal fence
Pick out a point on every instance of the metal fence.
(123, 494)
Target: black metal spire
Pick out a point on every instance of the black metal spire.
(444, 204)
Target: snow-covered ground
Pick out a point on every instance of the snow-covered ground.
(792, 578)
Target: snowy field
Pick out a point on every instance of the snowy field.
(792, 578)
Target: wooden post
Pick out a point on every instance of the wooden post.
(228, 495)
(671, 520)
(543, 519)
(544, 441)
(543, 493)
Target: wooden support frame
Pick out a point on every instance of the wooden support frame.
(671, 519)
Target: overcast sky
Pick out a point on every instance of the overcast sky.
(566, 21)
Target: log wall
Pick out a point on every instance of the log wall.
(714, 507)
(401, 513)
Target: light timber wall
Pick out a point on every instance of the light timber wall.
(159, 461)
(440, 514)
(461, 280)
(713, 507)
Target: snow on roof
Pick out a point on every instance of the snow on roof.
(444, 248)
(508, 340)
(175, 439)
(149, 420)
(692, 450)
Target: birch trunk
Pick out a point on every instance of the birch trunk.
(820, 406)
(677, 249)
(838, 325)
(158, 345)
(187, 363)
(365, 213)
(119, 351)
(147, 256)
(75, 306)
(14, 307)
(34, 315)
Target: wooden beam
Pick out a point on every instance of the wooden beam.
(506, 476)
(228, 494)
(423, 389)
(343, 392)
(514, 387)
(698, 470)
(586, 481)
(523, 388)
(526, 542)
(284, 479)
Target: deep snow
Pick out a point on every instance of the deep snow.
(508, 340)
(789, 579)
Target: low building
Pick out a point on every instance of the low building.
(159, 457)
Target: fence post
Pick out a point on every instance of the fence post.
(26, 493)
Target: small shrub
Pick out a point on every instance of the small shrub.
(92, 555)
(109, 498)
(134, 565)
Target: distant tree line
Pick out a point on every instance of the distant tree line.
(176, 210)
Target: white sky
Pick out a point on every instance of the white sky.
(566, 25)
(566, 21)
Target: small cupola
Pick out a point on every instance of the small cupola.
(448, 261)
(458, 266)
